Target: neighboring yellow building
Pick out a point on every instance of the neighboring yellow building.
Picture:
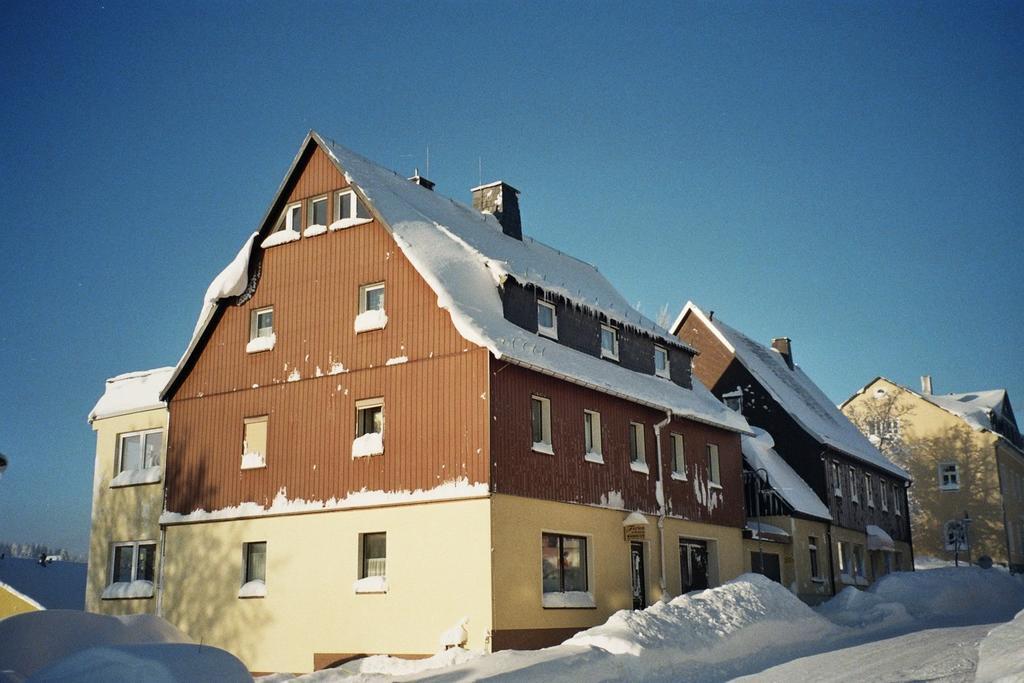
(966, 456)
(13, 602)
(130, 422)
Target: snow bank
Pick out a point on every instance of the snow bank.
(154, 663)
(700, 620)
(34, 640)
(1001, 653)
(371, 320)
(379, 666)
(149, 475)
(368, 444)
(456, 635)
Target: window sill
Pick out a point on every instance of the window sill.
(368, 321)
(679, 477)
(150, 475)
(370, 584)
(949, 488)
(595, 458)
(540, 447)
(314, 230)
(253, 461)
(548, 332)
(608, 356)
(260, 344)
(348, 223)
(280, 237)
(817, 579)
(568, 600)
(253, 589)
(123, 590)
(640, 467)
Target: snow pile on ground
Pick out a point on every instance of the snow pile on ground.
(60, 645)
(1001, 654)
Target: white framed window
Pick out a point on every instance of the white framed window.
(637, 448)
(547, 322)
(369, 428)
(661, 362)
(140, 450)
(540, 423)
(317, 211)
(869, 492)
(949, 476)
(291, 218)
(254, 442)
(678, 456)
(261, 323)
(734, 400)
(592, 436)
(371, 308)
(837, 481)
(609, 342)
(854, 497)
(883, 494)
(254, 570)
(348, 208)
(812, 550)
(132, 561)
(897, 503)
(373, 563)
(565, 580)
(714, 473)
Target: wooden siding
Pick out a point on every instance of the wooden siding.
(567, 477)
(436, 410)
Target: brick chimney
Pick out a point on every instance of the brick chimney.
(501, 200)
(926, 385)
(421, 181)
(785, 348)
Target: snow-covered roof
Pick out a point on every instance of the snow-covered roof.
(878, 539)
(131, 393)
(759, 452)
(464, 256)
(976, 408)
(764, 530)
(798, 395)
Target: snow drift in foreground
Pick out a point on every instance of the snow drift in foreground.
(68, 645)
(1001, 654)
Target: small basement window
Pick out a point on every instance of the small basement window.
(661, 366)
(369, 428)
(547, 323)
(540, 420)
(609, 342)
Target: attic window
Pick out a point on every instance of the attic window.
(609, 342)
(661, 367)
(318, 211)
(547, 323)
(734, 400)
(348, 208)
(291, 218)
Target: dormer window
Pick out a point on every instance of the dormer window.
(661, 368)
(547, 323)
(291, 219)
(318, 211)
(734, 400)
(609, 342)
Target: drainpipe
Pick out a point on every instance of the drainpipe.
(661, 499)
(163, 527)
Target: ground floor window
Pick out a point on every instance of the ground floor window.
(812, 550)
(133, 561)
(693, 565)
(375, 555)
(564, 563)
(766, 564)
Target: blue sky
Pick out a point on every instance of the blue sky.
(848, 174)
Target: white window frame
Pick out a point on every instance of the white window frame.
(883, 492)
(735, 395)
(595, 452)
(245, 562)
(666, 372)
(142, 434)
(897, 504)
(954, 485)
(714, 465)
(852, 474)
(550, 599)
(678, 463)
(366, 404)
(638, 461)
(551, 331)
(869, 493)
(366, 289)
(254, 322)
(134, 545)
(614, 353)
(544, 445)
(309, 211)
(355, 207)
(837, 480)
(286, 222)
(364, 569)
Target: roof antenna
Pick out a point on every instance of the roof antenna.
(428, 161)
(711, 315)
(479, 171)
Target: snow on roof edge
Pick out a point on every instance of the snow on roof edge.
(130, 392)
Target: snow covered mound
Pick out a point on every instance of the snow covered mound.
(702, 619)
(80, 646)
(1001, 654)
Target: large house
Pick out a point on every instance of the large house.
(966, 456)
(868, 534)
(402, 424)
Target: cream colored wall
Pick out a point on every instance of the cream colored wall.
(1011, 475)
(127, 513)
(795, 558)
(517, 527)
(931, 436)
(11, 603)
(438, 571)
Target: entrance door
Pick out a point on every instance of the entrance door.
(771, 565)
(693, 565)
(636, 559)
